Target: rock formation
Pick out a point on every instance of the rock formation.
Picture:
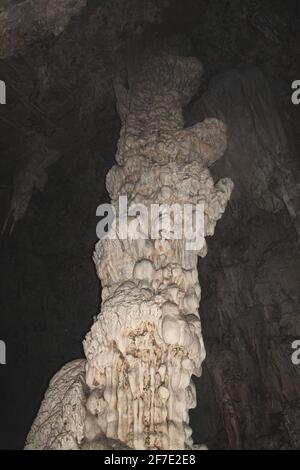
(135, 387)
(251, 278)
(23, 22)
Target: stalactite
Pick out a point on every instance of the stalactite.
(146, 343)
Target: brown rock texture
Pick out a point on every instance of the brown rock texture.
(23, 22)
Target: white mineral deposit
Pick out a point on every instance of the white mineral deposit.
(135, 388)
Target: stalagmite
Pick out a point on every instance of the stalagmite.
(136, 389)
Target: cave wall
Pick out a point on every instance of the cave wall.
(60, 99)
(250, 309)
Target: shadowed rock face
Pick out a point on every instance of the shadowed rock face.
(23, 22)
(251, 314)
(61, 104)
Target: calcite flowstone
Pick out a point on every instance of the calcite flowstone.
(135, 387)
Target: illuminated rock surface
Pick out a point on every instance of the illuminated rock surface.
(146, 343)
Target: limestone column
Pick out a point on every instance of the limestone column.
(135, 386)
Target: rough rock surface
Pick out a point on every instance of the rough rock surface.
(61, 88)
(146, 343)
(251, 305)
(22, 22)
(61, 420)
